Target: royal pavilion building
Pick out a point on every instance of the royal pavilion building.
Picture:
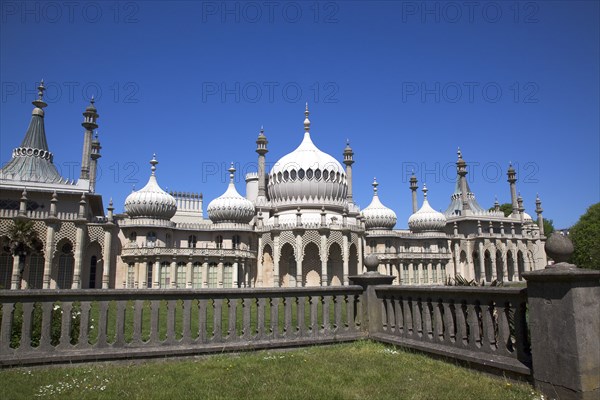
(296, 225)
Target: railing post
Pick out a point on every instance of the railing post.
(564, 310)
(371, 308)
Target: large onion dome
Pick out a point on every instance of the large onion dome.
(151, 201)
(231, 206)
(426, 219)
(307, 173)
(378, 216)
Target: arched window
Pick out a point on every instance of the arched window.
(236, 241)
(192, 240)
(151, 239)
(197, 275)
(219, 241)
(165, 277)
(6, 265)
(227, 275)
(66, 262)
(130, 284)
(93, 268)
(149, 274)
(212, 275)
(181, 269)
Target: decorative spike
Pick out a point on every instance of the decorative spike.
(153, 162)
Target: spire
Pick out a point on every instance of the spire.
(306, 120)
(413, 188)
(231, 173)
(32, 161)
(375, 184)
(425, 190)
(153, 162)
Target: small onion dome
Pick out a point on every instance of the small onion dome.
(151, 201)
(426, 219)
(526, 217)
(378, 216)
(91, 107)
(231, 206)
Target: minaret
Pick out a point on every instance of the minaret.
(461, 169)
(413, 189)
(496, 204)
(521, 209)
(512, 180)
(349, 160)
(261, 149)
(94, 163)
(89, 123)
(538, 211)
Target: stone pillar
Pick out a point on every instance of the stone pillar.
(14, 280)
(345, 259)
(276, 261)
(79, 243)
(136, 274)
(107, 258)
(235, 278)
(323, 253)
(220, 274)
(259, 263)
(173, 273)
(156, 274)
(481, 262)
(205, 274)
(188, 274)
(49, 253)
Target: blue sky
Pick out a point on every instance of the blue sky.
(407, 82)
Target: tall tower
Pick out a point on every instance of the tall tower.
(261, 149)
(413, 189)
(512, 180)
(349, 160)
(538, 211)
(89, 123)
(461, 169)
(95, 155)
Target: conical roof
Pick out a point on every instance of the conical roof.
(33, 161)
(426, 219)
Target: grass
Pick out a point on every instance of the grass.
(359, 370)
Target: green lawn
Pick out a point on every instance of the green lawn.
(360, 370)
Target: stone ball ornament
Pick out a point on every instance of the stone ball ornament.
(559, 248)
(371, 262)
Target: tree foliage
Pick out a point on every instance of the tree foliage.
(548, 226)
(585, 235)
(506, 208)
(23, 238)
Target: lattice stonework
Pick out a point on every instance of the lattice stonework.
(66, 230)
(311, 236)
(5, 225)
(266, 240)
(287, 237)
(354, 239)
(334, 237)
(96, 234)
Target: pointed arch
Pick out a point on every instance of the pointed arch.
(64, 264)
(353, 260)
(510, 265)
(476, 270)
(335, 266)
(287, 266)
(91, 274)
(267, 266)
(520, 264)
(500, 275)
(488, 265)
(311, 265)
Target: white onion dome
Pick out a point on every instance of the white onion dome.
(378, 216)
(426, 219)
(231, 206)
(526, 217)
(307, 174)
(151, 201)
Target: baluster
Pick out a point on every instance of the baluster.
(26, 327)
(202, 306)
(136, 338)
(398, 316)
(439, 325)
(46, 334)
(274, 318)
(217, 320)
(186, 334)
(350, 304)
(65, 326)
(418, 317)
(522, 340)
(287, 316)
(247, 308)
(409, 329)
(301, 316)
(337, 311)
(357, 306)
(120, 323)
(427, 310)
(462, 337)
(473, 324)
(260, 323)
(231, 323)
(391, 315)
(326, 317)
(449, 321)
(488, 341)
(504, 342)
(154, 322)
(314, 304)
(83, 342)
(5, 328)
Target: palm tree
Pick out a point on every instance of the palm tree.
(23, 240)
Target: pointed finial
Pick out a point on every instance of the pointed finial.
(306, 120)
(54, 196)
(110, 204)
(153, 162)
(375, 184)
(459, 154)
(39, 102)
(92, 100)
(425, 190)
(231, 172)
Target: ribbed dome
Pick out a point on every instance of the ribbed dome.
(378, 216)
(426, 219)
(307, 173)
(231, 206)
(151, 201)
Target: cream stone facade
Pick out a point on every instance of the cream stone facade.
(297, 225)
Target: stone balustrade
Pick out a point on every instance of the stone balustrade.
(185, 251)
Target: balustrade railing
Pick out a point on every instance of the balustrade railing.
(487, 325)
(40, 326)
